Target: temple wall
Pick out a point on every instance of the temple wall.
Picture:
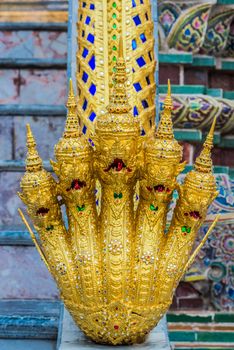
(35, 91)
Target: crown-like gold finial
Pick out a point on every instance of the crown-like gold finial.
(203, 162)
(118, 98)
(165, 128)
(72, 128)
(164, 145)
(33, 161)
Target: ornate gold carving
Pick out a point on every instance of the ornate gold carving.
(117, 270)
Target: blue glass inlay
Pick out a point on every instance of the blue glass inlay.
(137, 86)
(92, 116)
(187, 32)
(134, 44)
(144, 103)
(141, 1)
(133, 3)
(85, 77)
(148, 80)
(140, 61)
(137, 20)
(92, 89)
(90, 38)
(85, 104)
(84, 129)
(133, 70)
(91, 142)
(193, 39)
(88, 19)
(143, 38)
(210, 34)
(92, 7)
(85, 52)
(135, 111)
(84, 4)
(92, 62)
(142, 132)
(83, 33)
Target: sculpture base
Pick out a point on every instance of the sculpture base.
(72, 338)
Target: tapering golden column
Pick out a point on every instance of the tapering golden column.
(100, 24)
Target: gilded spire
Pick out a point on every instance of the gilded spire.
(118, 98)
(72, 128)
(33, 161)
(165, 128)
(203, 162)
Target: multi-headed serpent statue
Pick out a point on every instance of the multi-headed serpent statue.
(117, 270)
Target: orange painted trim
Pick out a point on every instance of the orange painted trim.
(35, 16)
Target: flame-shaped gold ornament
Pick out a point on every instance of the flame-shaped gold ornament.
(117, 271)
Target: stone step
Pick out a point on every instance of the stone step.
(29, 319)
(29, 344)
(33, 63)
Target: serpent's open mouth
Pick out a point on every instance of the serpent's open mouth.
(194, 214)
(117, 165)
(76, 185)
(43, 211)
(159, 188)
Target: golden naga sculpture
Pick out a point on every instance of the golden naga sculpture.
(117, 270)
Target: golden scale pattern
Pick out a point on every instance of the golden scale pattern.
(117, 271)
(108, 20)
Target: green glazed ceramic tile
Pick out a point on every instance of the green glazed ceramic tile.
(204, 61)
(179, 58)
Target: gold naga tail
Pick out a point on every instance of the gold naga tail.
(117, 270)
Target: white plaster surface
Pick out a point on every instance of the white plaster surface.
(73, 339)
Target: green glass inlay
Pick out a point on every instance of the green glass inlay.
(82, 208)
(114, 48)
(186, 229)
(153, 208)
(118, 195)
(114, 37)
(114, 59)
(195, 105)
(114, 15)
(114, 26)
(114, 5)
